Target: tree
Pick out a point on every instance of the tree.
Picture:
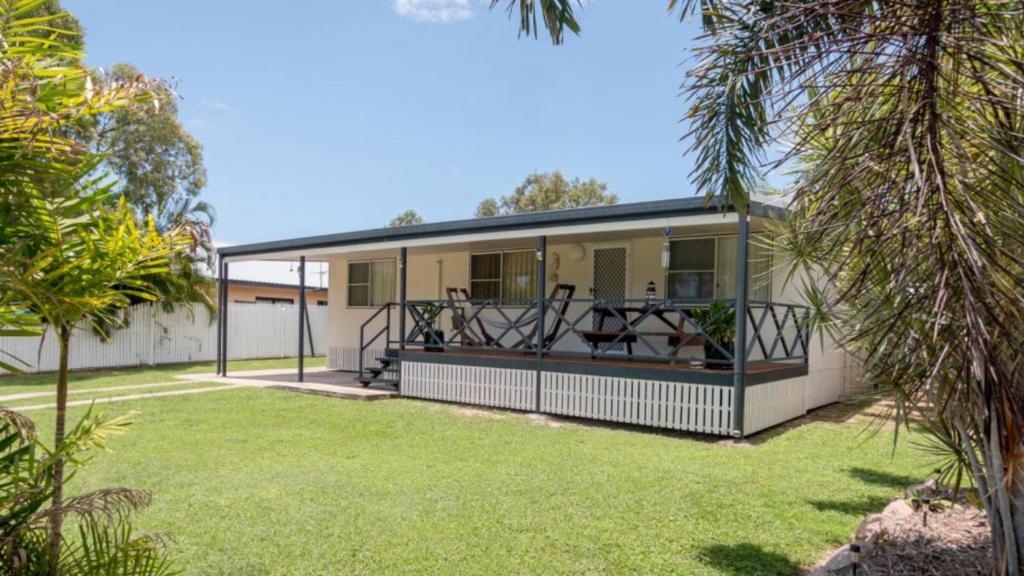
(548, 191)
(159, 166)
(68, 255)
(906, 120)
(407, 218)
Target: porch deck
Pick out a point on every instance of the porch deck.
(757, 371)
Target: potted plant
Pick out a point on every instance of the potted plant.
(433, 337)
(718, 321)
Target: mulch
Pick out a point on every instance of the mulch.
(955, 542)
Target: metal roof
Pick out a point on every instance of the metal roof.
(574, 216)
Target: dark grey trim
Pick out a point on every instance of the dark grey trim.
(542, 248)
(512, 361)
(220, 314)
(641, 372)
(795, 371)
(740, 343)
(576, 216)
(302, 317)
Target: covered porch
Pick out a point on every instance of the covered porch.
(630, 313)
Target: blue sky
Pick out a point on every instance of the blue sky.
(318, 116)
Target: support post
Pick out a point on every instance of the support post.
(402, 294)
(739, 365)
(302, 316)
(224, 325)
(220, 314)
(542, 248)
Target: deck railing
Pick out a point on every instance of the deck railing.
(629, 329)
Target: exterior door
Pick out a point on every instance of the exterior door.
(609, 283)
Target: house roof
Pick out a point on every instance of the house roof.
(574, 216)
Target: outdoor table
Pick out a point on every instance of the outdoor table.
(628, 333)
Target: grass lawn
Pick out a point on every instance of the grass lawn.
(260, 482)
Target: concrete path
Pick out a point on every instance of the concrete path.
(107, 400)
(322, 382)
(30, 395)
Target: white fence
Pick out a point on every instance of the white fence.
(157, 337)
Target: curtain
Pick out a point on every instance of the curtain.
(518, 276)
(382, 282)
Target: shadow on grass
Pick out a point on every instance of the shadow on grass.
(748, 560)
(884, 479)
(860, 507)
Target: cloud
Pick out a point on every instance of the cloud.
(442, 11)
(214, 105)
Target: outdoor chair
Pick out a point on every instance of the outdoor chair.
(469, 322)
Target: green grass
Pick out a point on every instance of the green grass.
(266, 482)
(84, 379)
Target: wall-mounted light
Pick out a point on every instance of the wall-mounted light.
(666, 252)
(577, 253)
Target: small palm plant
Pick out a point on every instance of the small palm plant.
(105, 543)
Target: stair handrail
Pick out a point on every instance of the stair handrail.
(386, 330)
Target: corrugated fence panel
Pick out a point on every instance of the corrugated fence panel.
(675, 405)
(483, 386)
(772, 403)
(154, 336)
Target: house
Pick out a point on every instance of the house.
(255, 291)
(627, 313)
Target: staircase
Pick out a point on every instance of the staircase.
(385, 370)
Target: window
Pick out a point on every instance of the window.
(691, 269)
(371, 283)
(321, 302)
(705, 269)
(506, 276)
(272, 300)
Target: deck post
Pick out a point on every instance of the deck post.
(220, 312)
(302, 317)
(542, 247)
(402, 296)
(224, 325)
(740, 342)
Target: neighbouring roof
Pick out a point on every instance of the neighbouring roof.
(274, 285)
(575, 216)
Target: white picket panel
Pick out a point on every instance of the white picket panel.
(479, 385)
(674, 405)
(771, 403)
(154, 336)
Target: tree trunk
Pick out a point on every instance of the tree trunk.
(57, 519)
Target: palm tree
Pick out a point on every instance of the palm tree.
(67, 255)
(905, 122)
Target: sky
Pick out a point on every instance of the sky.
(320, 116)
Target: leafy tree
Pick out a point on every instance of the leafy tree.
(548, 191)
(906, 118)
(159, 166)
(407, 218)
